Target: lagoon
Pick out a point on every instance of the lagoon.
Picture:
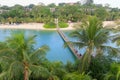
(51, 38)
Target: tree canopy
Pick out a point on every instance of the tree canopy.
(64, 11)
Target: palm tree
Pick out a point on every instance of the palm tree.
(18, 58)
(91, 36)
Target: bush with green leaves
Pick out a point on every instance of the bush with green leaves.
(50, 25)
(76, 76)
(114, 72)
(62, 24)
(99, 66)
(57, 70)
(70, 67)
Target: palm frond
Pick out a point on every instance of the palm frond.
(80, 36)
(31, 39)
(25, 56)
(7, 52)
(3, 75)
(15, 70)
(39, 54)
(75, 34)
(108, 76)
(111, 50)
(116, 38)
(53, 77)
(42, 50)
(5, 62)
(38, 71)
(118, 75)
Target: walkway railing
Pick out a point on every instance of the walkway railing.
(69, 45)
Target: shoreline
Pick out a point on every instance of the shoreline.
(39, 26)
(32, 26)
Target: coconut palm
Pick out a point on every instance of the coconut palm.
(91, 36)
(19, 60)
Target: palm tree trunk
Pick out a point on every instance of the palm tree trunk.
(26, 73)
(85, 61)
(89, 51)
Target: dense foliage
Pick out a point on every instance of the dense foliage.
(20, 61)
(53, 25)
(50, 25)
(64, 12)
(62, 25)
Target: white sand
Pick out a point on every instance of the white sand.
(34, 26)
(39, 26)
(109, 24)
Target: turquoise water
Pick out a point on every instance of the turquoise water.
(52, 39)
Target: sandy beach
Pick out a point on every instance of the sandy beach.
(33, 26)
(39, 26)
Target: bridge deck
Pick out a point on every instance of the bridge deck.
(69, 45)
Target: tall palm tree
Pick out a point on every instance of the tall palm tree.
(18, 58)
(91, 36)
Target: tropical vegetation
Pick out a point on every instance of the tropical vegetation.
(20, 60)
(93, 37)
(54, 25)
(65, 12)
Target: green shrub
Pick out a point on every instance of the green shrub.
(76, 76)
(62, 24)
(50, 25)
(114, 72)
(99, 66)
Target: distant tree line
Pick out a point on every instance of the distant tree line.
(64, 12)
